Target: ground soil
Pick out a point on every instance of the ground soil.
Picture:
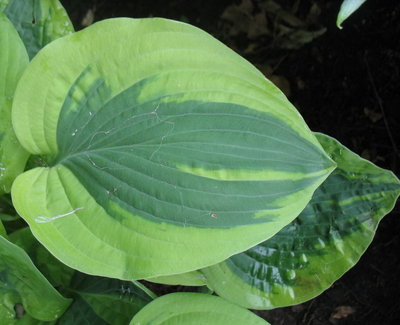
(345, 83)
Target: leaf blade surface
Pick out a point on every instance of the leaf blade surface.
(194, 308)
(38, 22)
(176, 145)
(21, 282)
(13, 61)
(318, 247)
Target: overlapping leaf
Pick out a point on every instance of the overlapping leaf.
(186, 308)
(13, 61)
(38, 22)
(95, 300)
(22, 283)
(163, 146)
(58, 274)
(104, 301)
(313, 251)
(7, 317)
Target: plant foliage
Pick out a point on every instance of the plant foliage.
(156, 152)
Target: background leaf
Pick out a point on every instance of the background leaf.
(186, 308)
(38, 22)
(13, 61)
(80, 312)
(7, 317)
(7, 217)
(313, 251)
(57, 273)
(104, 301)
(156, 168)
(21, 282)
(347, 8)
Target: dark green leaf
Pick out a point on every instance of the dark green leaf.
(115, 302)
(38, 22)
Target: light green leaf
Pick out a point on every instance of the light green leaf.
(57, 273)
(164, 147)
(21, 282)
(194, 278)
(318, 247)
(346, 10)
(186, 308)
(38, 22)
(13, 61)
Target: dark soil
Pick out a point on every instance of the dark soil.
(345, 83)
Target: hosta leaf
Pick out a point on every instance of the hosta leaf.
(97, 301)
(163, 148)
(113, 301)
(13, 61)
(186, 308)
(7, 317)
(55, 272)
(38, 21)
(313, 251)
(80, 312)
(347, 8)
(21, 282)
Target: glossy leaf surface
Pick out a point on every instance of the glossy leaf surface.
(313, 251)
(162, 149)
(38, 22)
(21, 282)
(186, 308)
(13, 61)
